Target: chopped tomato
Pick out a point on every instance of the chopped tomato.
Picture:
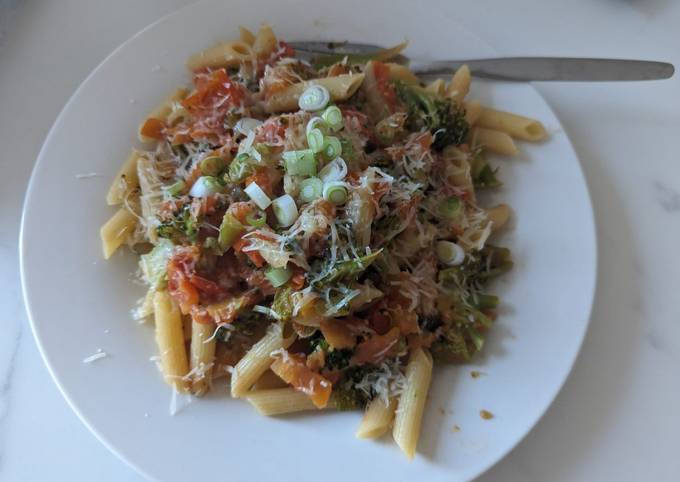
(338, 333)
(262, 177)
(240, 210)
(379, 322)
(253, 256)
(293, 370)
(214, 91)
(153, 128)
(382, 77)
(180, 267)
(377, 348)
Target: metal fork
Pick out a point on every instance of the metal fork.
(505, 68)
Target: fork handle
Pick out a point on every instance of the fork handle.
(553, 69)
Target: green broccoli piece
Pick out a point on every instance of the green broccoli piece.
(347, 270)
(445, 120)
(182, 227)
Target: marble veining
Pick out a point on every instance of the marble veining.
(668, 198)
(6, 388)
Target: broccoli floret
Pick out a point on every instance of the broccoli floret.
(336, 359)
(347, 399)
(445, 120)
(183, 226)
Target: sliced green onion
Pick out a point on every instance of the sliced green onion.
(247, 143)
(205, 186)
(211, 166)
(486, 302)
(317, 123)
(246, 125)
(336, 170)
(278, 276)
(240, 168)
(332, 147)
(300, 163)
(311, 189)
(176, 188)
(450, 253)
(230, 230)
(335, 192)
(315, 140)
(333, 117)
(259, 197)
(451, 208)
(285, 210)
(315, 97)
(257, 220)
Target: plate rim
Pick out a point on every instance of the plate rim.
(593, 272)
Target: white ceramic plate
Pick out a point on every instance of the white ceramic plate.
(78, 303)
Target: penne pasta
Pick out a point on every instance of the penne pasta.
(517, 126)
(411, 404)
(459, 86)
(257, 360)
(341, 88)
(377, 418)
(265, 42)
(226, 54)
(386, 54)
(436, 87)
(151, 129)
(246, 35)
(116, 230)
(494, 141)
(279, 401)
(402, 73)
(170, 341)
(269, 380)
(473, 110)
(203, 345)
(125, 181)
(498, 215)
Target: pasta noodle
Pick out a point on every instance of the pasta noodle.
(459, 86)
(257, 360)
(202, 356)
(125, 181)
(116, 230)
(170, 341)
(227, 54)
(151, 130)
(377, 418)
(280, 401)
(517, 126)
(494, 141)
(411, 405)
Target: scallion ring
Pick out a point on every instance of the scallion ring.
(205, 186)
(259, 197)
(332, 147)
(333, 117)
(336, 170)
(317, 123)
(311, 189)
(278, 276)
(175, 188)
(335, 192)
(315, 140)
(211, 165)
(257, 219)
(300, 163)
(285, 210)
(450, 253)
(314, 98)
(246, 125)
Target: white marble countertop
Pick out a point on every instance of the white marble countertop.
(618, 416)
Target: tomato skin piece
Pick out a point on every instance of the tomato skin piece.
(377, 348)
(153, 128)
(292, 369)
